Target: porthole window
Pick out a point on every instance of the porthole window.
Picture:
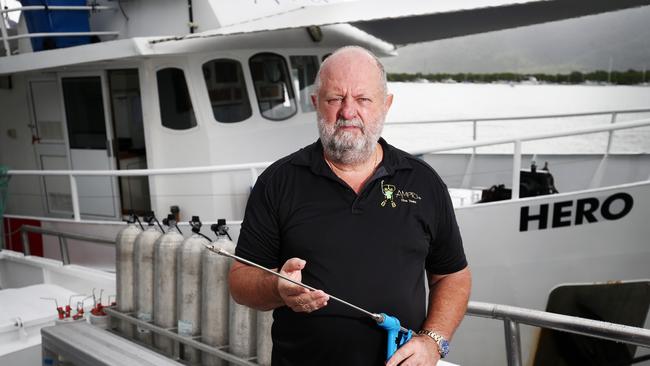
(176, 111)
(272, 86)
(305, 69)
(227, 90)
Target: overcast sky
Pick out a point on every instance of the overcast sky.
(583, 44)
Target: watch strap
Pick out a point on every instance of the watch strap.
(441, 342)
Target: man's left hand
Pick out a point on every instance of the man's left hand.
(420, 350)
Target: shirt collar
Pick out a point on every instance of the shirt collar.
(312, 157)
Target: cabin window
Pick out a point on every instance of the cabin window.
(272, 86)
(305, 68)
(176, 111)
(227, 90)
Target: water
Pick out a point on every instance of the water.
(435, 101)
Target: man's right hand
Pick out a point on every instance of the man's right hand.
(299, 299)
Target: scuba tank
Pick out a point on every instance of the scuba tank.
(215, 302)
(189, 288)
(124, 267)
(143, 256)
(164, 285)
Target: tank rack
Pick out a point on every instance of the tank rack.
(81, 343)
(191, 342)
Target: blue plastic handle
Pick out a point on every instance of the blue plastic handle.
(396, 337)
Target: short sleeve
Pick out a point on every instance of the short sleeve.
(259, 238)
(446, 253)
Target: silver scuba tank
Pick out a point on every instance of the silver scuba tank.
(164, 289)
(124, 267)
(143, 257)
(242, 324)
(215, 301)
(264, 341)
(189, 289)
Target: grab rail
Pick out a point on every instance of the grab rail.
(63, 243)
(6, 38)
(253, 167)
(512, 316)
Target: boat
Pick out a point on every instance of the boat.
(144, 110)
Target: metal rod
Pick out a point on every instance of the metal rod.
(517, 118)
(566, 323)
(65, 254)
(74, 194)
(40, 230)
(25, 237)
(62, 34)
(377, 317)
(541, 136)
(513, 342)
(185, 340)
(610, 135)
(5, 36)
(474, 135)
(516, 167)
(57, 7)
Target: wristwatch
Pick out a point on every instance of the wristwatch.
(443, 344)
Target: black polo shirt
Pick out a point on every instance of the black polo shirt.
(369, 249)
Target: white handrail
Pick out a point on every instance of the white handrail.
(519, 118)
(252, 167)
(6, 38)
(539, 136)
(146, 172)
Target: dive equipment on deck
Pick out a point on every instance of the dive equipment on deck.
(397, 334)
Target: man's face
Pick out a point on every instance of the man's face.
(351, 106)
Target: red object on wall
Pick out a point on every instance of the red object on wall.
(14, 241)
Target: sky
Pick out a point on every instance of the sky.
(581, 44)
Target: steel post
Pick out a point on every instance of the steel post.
(63, 248)
(513, 342)
(74, 193)
(610, 135)
(5, 36)
(25, 237)
(516, 167)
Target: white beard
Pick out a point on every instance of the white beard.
(345, 147)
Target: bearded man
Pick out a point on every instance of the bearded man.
(359, 219)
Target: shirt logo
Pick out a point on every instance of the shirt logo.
(391, 194)
(387, 190)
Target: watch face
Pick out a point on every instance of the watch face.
(444, 348)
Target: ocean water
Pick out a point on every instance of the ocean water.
(437, 101)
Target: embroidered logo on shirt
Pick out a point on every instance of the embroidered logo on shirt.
(388, 190)
(391, 194)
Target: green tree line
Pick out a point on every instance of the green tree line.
(629, 77)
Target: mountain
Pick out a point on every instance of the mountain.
(582, 44)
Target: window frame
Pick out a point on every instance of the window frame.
(289, 84)
(244, 83)
(193, 101)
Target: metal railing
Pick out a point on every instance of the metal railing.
(189, 341)
(63, 243)
(254, 167)
(6, 37)
(517, 141)
(513, 316)
(73, 174)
